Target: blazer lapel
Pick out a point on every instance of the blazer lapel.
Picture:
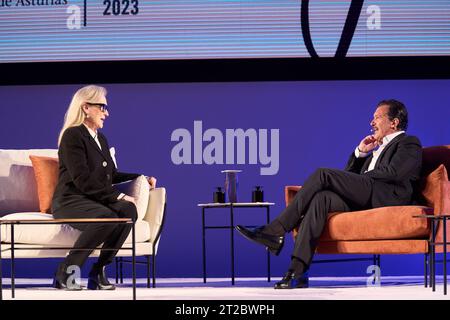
(92, 141)
(389, 146)
(105, 150)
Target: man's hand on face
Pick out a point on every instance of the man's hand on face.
(368, 144)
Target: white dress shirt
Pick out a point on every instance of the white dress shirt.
(378, 151)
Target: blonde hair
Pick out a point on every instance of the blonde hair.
(75, 115)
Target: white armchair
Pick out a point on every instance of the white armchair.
(19, 200)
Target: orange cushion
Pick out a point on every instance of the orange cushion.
(378, 224)
(431, 187)
(46, 174)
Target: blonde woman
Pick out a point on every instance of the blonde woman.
(85, 188)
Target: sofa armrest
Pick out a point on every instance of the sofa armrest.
(289, 193)
(155, 212)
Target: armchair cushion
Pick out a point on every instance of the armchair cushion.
(385, 223)
(139, 189)
(431, 186)
(46, 174)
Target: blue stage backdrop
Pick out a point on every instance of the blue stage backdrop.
(318, 124)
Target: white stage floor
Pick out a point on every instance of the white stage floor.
(321, 288)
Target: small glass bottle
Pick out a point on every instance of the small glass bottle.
(219, 195)
(258, 194)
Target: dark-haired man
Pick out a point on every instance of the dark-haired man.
(380, 172)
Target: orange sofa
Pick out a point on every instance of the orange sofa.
(394, 229)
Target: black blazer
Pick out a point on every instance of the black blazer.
(85, 170)
(396, 171)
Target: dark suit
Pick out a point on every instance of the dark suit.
(390, 183)
(85, 190)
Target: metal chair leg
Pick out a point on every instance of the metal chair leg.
(121, 270)
(117, 269)
(148, 271)
(154, 270)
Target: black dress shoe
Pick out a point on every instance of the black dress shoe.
(293, 281)
(273, 243)
(62, 280)
(98, 280)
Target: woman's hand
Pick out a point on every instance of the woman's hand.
(130, 199)
(152, 182)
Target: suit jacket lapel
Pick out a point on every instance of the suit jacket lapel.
(92, 141)
(105, 150)
(393, 142)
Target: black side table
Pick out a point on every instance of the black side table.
(434, 222)
(231, 226)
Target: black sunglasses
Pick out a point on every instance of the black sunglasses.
(103, 107)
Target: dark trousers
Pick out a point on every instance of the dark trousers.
(92, 235)
(325, 191)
